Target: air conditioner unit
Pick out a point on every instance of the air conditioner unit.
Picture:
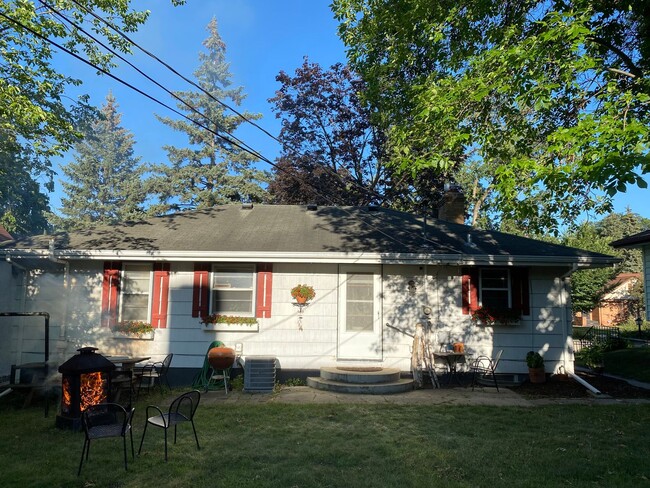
(259, 374)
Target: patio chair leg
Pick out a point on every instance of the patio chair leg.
(196, 437)
(83, 453)
(142, 441)
(494, 377)
(126, 465)
(166, 445)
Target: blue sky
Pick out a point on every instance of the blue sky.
(262, 38)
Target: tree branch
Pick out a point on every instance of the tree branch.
(633, 69)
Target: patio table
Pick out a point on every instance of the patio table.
(452, 359)
(123, 377)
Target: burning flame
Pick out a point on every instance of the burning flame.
(67, 399)
(92, 390)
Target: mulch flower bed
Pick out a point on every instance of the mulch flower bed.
(569, 388)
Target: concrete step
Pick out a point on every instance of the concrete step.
(386, 388)
(359, 375)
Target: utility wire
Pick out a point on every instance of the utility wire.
(174, 95)
(155, 100)
(170, 68)
(296, 151)
(125, 83)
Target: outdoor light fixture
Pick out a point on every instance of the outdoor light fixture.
(412, 287)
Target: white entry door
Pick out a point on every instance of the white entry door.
(360, 313)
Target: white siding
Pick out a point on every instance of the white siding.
(76, 308)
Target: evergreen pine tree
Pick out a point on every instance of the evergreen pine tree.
(211, 171)
(105, 177)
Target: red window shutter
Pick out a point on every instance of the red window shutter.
(160, 295)
(264, 290)
(110, 292)
(520, 290)
(469, 290)
(201, 290)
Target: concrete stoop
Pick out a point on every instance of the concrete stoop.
(365, 381)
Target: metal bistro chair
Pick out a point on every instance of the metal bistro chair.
(106, 420)
(151, 373)
(182, 409)
(483, 367)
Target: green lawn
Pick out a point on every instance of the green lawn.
(633, 363)
(272, 445)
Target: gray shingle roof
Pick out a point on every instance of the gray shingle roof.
(290, 230)
(633, 240)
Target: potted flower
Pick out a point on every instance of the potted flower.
(133, 328)
(535, 363)
(490, 316)
(303, 293)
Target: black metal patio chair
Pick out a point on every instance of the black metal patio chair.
(152, 373)
(106, 420)
(484, 368)
(181, 410)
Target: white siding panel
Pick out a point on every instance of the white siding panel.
(77, 310)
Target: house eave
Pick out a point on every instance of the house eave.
(319, 257)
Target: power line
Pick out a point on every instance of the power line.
(295, 151)
(122, 58)
(125, 83)
(155, 100)
(170, 68)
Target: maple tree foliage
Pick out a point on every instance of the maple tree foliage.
(540, 108)
(38, 121)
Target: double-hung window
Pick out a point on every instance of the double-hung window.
(135, 292)
(495, 289)
(233, 289)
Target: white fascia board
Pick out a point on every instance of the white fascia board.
(322, 257)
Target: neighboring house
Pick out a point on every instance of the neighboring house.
(375, 271)
(639, 241)
(617, 304)
(4, 235)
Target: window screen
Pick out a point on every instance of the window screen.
(233, 289)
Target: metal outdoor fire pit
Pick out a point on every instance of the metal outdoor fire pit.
(86, 381)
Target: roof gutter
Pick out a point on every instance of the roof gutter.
(14, 263)
(323, 257)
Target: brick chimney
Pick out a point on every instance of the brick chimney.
(453, 206)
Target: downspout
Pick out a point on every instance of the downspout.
(565, 325)
(589, 387)
(564, 277)
(66, 287)
(23, 298)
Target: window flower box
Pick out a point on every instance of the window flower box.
(133, 330)
(487, 317)
(230, 323)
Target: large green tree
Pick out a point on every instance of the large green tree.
(331, 152)
(37, 120)
(588, 286)
(104, 179)
(214, 169)
(541, 106)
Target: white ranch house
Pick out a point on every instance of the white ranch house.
(639, 241)
(373, 271)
